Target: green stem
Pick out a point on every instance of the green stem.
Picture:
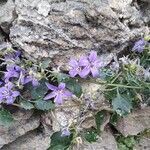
(124, 86)
(116, 78)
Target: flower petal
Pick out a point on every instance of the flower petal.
(73, 63)
(83, 61)
(73, 72)
(10, 100)
(93, 56)
(15, 93)
(84, 72)
(58, 99)
(62, 86)
(49, 96)
(95, 72)
(51, 87)
(35, 82)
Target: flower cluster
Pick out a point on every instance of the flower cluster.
(85, 65)
(14, 77)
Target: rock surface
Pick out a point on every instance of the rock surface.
(105, 142)
(31, 141)
(7, 14)
(135, 122)
(144, 144)
(66, 26)
(24, 123)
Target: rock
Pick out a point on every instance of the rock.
(24, 123)
(30, 141)
(144, 144)
(105, 142)
(135, 122)
(7, 15)
(63, 116)
(64, 28)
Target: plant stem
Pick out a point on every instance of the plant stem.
(124, 86)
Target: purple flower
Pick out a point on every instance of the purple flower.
(139, 46)
(30, 78)
(13, 56)
(13, 71)
(65, 132)
(58, 93)
(93, 65)
(6, 93)
(77, 66)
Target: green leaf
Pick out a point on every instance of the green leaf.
(114, 119)
(39, 91)
(121, 105)
(71, 84)
(44, 105)
(91, 135)
(6, 118)
(99, 119)
(45, 63)
(74, 87)
(60, 143)
(26, 105)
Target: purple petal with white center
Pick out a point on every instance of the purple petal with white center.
(93, 56)
(58, 99)
(49, 96)
(61, 86)
(51, 87)
(95, 72)
(84, 72)
(73, 72)
(73, 63)
(83, 61)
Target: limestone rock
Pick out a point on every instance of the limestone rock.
(7, 15)
(24, 123)
(64, 27)
(144, 144)
(135, 122)
(30, 141)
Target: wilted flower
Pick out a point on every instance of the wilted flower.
(139, 46)
(65, 132)
(7, 94)
(77, 66)
(58, 93)
(93, 65)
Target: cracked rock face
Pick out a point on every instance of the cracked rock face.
(135, 122)
(50, 28)
(24, 123)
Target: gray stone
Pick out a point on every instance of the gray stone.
(135, 122)
(64, 28)
(144, 144)
(24, 123)
(7, 15)
(30, 141)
